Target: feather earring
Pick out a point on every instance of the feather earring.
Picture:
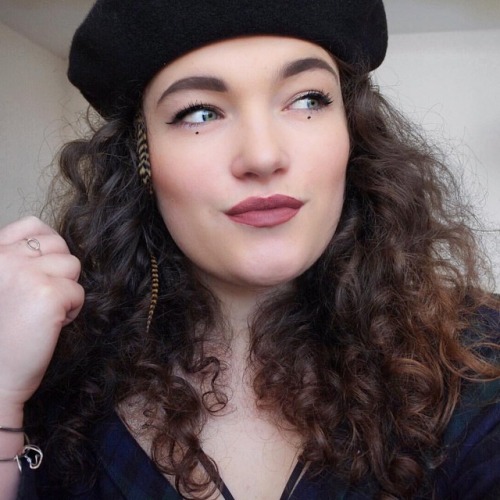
(155, 288)
(144, 165)
(144, 171)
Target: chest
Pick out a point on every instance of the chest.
(255, 456)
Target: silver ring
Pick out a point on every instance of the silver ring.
(33, 244)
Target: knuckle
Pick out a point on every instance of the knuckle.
(31, 219)
(75, 266)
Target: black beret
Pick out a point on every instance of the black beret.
(122, 44)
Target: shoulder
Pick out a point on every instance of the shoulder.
(472, 446)
(486, 319)
(472, 440)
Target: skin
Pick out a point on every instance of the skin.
(39, 294)
(237, 119)
(271, 135)
(261, 139)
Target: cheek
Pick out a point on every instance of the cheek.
(184, 164)
(327, 164)
(326, 180)
(176, 203)
(184, 194)
(171, 188)
(172, 174)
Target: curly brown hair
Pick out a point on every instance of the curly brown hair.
(365, 357)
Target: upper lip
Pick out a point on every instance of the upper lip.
(255, 203)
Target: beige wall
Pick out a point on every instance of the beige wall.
(35, 103)
(449, 83)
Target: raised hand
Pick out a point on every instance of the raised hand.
(39, 294)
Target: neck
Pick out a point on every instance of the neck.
(239, 305)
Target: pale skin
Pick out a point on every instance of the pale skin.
(261, 125)
(39, 294)
(276, 126)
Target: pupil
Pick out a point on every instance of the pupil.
(208, 115)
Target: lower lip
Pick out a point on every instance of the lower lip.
(265, 218)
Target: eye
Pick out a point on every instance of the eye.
(200, 116)
(195, 114)
(311, 101)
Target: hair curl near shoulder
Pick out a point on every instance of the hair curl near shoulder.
(365, 357)
(376, 367)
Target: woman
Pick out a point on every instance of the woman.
(281, 294)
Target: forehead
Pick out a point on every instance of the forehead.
(244, 54)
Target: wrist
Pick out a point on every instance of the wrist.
(11, 443)
(11, 411)
(19, 450)
(11, 417)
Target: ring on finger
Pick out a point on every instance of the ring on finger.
(33, 244)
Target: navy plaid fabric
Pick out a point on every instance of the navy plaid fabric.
(129, 473)
(470, 472)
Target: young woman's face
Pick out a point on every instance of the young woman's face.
(249, 147)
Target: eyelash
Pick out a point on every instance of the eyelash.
(187, 110)
(324, 100)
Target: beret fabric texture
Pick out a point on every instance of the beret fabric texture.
(122, 44)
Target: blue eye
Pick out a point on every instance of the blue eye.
(311, 101)
(195, 114)
(200, 116)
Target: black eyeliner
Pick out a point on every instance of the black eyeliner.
(190, 108)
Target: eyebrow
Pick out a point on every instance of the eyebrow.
(309, 63)
(217, 85)
(195, 83)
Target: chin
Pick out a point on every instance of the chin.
(276, 275)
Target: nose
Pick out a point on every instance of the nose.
(260, 151)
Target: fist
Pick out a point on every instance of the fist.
(39, 294)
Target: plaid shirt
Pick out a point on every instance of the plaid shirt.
(470, 472)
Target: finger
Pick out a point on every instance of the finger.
(37, 245)
(50, 304)
(59, 266)
(24, 228)
(77, 298)
(74, 296)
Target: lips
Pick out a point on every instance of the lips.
(265, 212)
